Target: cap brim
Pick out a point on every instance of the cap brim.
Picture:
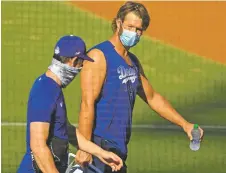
(85, 57)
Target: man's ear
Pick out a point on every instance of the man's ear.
(72, 61)
(118, 24)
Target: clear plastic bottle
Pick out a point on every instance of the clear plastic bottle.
(196, 135)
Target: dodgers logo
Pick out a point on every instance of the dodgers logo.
(127, 74)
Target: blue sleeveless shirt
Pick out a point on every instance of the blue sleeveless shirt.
(113, 111)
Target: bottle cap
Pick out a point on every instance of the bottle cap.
(196, 126)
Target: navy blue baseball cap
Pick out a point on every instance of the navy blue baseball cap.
(71, 46)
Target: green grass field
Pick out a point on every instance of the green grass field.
(149, 152)
(194, 85)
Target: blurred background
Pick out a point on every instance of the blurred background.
(183, 54)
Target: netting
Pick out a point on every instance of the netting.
(196, 87)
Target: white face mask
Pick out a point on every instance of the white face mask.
(64, 72)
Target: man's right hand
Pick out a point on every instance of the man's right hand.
(83, 158)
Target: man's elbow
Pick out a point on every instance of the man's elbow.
(35, 149)
(37, 146)
(156, 102)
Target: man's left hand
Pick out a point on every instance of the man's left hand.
(188, 127)
(83, 158)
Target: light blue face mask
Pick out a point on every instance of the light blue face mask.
(129, 38)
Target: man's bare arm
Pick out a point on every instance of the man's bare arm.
(92, 79)
(159, 104)
(39, 132)
(109, 158)
(78, 140)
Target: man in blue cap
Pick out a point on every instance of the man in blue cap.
(47, 125)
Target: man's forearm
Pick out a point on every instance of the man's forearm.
(86, 119)
(164, 109)
(44, 159)
(87, 145)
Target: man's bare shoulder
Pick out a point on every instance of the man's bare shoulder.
(97, 55)
(99, 61)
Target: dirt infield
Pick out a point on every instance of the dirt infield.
(198, 27)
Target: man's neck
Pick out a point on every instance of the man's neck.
(51, 75)
(120, 49)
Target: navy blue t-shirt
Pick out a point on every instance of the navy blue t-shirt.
(46, 104)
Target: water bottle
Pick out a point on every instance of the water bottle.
(196, 135)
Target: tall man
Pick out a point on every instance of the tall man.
(110, 85)
(47, 132)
